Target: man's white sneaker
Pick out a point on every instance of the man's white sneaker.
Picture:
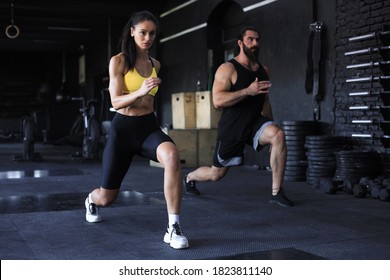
(92, 212)
(175, 238)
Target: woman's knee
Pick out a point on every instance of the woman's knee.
(168, 155)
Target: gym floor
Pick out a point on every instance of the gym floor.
(42, 216)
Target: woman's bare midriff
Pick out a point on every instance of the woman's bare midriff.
(144, 106)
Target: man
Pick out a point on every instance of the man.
(241, 88)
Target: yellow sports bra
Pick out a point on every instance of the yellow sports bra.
(133, 81)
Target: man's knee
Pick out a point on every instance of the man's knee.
(278, 137)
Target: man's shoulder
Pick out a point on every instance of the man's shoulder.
(227, 67)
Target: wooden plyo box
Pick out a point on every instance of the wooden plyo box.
(206, 145)
(206, 115)
(183, 110)
(196, 146)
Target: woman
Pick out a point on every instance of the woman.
(134, 129)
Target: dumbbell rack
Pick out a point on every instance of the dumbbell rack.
(370, 70)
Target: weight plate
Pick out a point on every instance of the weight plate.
(296, 153)
(360, 154)
(321, 167)
(296, 133)
(322, 163)
(295, 148)
(326, 158)
(295, 168)
(300, 123)
(294, 178)
(326, 138)
(312, 171)
(296, 158)
(324, 146)
(295, 173)
(296, 162)
(319, 153)
(295, 138)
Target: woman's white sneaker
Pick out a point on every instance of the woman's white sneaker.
(92, 211)
(175, 238)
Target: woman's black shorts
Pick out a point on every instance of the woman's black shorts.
(129, 136)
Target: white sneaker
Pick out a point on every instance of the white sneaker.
(92, 212)
(174, 236)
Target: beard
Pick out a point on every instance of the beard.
(251, 53)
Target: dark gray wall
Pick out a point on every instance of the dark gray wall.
(284, 28)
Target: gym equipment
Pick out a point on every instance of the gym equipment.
(369, 186)
(348, 185)
(383, 191)
(384, 36)
(375, 190)
(12, 31)
(383, 65)
(105, 116)
(296, 132)
(355, 164)
(91, 129)
(384, 194)
(320, 152)
(361, 189)
(313, 72)
(383, 51)
(28, 128)
(331, 186)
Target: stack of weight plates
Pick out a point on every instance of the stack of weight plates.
(353, 165)
(386, 165)
(296, 132)
(321, 157)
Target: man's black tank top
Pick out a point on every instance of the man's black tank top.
(237, 121)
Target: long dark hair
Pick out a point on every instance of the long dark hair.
(127, 41)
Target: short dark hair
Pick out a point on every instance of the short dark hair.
(240, 36)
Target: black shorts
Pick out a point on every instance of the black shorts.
(231, 152)
(129, 136)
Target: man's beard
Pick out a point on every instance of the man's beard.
(251, 53)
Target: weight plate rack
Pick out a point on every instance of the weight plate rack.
(386, 165)
(353, 165)
(321, 156)
(296, 132)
